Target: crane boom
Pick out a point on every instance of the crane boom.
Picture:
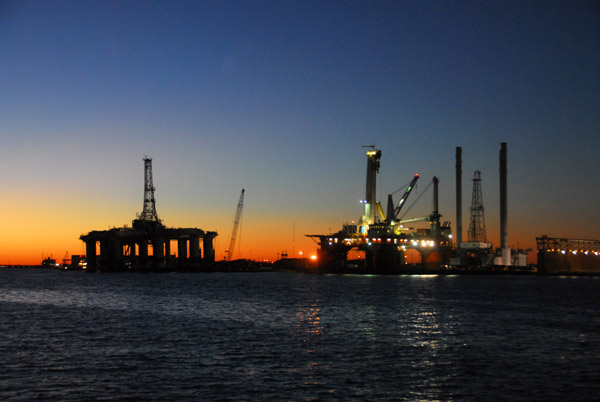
(394, 215)
(236, 224)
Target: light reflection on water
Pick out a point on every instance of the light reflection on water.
(71, 336)
(309, 319)
(308, 323)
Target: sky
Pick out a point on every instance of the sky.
(279, 98)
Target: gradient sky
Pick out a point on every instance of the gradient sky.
(278, 98)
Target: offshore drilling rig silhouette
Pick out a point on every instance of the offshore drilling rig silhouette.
(146, 246)
(381, 236)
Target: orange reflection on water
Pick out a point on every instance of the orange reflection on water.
(309, 319)
(309, 324)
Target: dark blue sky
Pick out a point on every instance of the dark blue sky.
(278, 97)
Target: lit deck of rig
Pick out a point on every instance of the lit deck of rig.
(146, 246)
(382, 236)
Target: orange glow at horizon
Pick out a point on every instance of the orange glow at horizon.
(30, 233)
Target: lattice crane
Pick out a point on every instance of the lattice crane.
(236, 224)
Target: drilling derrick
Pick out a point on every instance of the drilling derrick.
(477, 224)
(148, 217)
(236, 223)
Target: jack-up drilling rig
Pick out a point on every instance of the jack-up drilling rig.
(236, 224)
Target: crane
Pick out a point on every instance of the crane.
(393, 212)
(236, 224)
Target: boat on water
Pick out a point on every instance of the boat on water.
(49, 262)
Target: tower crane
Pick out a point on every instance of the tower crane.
(236, 224)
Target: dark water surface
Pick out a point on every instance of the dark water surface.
(71, 336)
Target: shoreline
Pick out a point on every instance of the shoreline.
(255, 267)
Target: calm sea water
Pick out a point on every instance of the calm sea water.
(70, 336)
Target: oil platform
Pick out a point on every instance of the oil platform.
(382, 236)
(146, 246)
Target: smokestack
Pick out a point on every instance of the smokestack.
(458, 197)
(434, 218)
(435, 196)
(503, 207)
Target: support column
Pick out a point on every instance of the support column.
(104, 255)
(207, 243)
(168, 252)
(130, 259)
(143, 254)
(90, 254)
(111, 254)
(133, 250)
(117, 254)
(158, 244)
(182, 249)
(194, 248)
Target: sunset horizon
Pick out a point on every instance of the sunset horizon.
(279, 98)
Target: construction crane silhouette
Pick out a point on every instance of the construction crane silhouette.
(236, 224)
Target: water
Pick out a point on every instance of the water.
(71, 336)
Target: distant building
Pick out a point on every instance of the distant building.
(568, 256)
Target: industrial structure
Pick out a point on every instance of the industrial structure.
(458, 167)
(477, 224)
(476, 251)
(568, 256)
(505, 258)
(384, 240)
(234, 230)
(382, 236)
(147, 245)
